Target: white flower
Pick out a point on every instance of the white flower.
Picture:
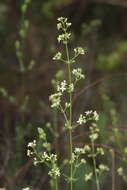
(81, 120)
(95, 116)
(83, 161)
(54, 172)
(93, 136)
(62, 19)
(87, 148)
(29, 152)
(53, 157)
(79, 151)
(120, 171)
(64, 37)
(71, 87)
(57, 56)
(59, 26)
(55, 99)
(100, 150)
(88, 112)
(32, 144)
(62, 86)
(68, 24)
(45, 156)
(78, 73)
(88, 176)
(79, 51)
(27, 188)
(103, 167)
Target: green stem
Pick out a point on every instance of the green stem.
(113, 169)
(95, 168)
(70, 118)
(56, 184)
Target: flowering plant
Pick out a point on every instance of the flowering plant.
(66, 89)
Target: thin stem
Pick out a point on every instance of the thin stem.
(95, 168)
(113, 169)
(56, 184)
(64, 114)
(70, 118)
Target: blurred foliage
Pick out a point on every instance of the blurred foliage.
(115, 59)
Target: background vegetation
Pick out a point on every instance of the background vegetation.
(24, 105)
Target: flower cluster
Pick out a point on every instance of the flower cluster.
(63, 25)
(64, 37)
(44, 157)
(62, 21)
(78, 74)
(77, 153)
(57, 56)
(88, 115)
(62, 86)
(32, 144)
(82, 119)
(54, 172)
(79, 51)
(55, 100)
(92, 115)
(48, 157)
(94, 130)
(103, 168)
(51, 159)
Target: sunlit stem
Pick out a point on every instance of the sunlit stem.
(70, 117)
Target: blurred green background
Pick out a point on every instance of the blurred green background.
(99, 26)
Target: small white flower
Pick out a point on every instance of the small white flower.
(55, 99)
(88, 112)
(120, 171)
(95, 116)
(88, 176)
(79, 51)
(68, 24)
(79, 151)
(71, 87)
(83, 161)
(87, 148)
(78, 73)
(62, 86)
(28, 152)
(32, 144)
(62, 19)
(59, 26)
(93, 136)
(45, 155)
(100, 150)
(27, 188)
(57, 56)
(54, 172)
(64, 37)
(103, 167)
(81, 120)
